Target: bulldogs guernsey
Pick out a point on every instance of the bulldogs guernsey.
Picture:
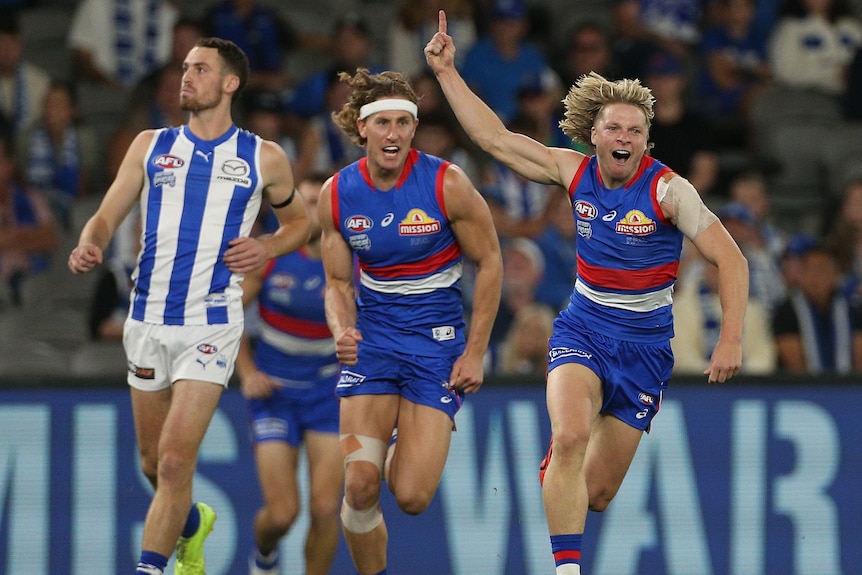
(199, 195)
(628, 255)
(295, 343)
(409, 261)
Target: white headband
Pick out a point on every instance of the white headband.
(386, 105)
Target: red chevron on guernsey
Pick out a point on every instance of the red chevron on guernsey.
(628, 280)
(430, 264)
(295, 326)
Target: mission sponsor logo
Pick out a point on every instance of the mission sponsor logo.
(636, 223)
(358, 224)
(418, 222)
(168, 161)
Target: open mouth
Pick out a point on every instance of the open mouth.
(621, 155)
(390, 150)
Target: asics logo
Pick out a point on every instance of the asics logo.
(609, 216)
(387, 219)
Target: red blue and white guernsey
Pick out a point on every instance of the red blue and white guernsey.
(198, 195)
(628, 255)
(295, 344)
(409, 260)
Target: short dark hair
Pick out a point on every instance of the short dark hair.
(234, 58)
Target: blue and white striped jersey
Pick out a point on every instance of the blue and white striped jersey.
(198, 195)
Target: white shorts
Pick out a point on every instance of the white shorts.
(159, 355)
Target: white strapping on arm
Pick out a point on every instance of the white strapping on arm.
(691, 215)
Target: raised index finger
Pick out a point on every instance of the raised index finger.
(441, 22)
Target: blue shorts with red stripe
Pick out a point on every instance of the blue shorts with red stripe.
(633, 375)
(423, 380)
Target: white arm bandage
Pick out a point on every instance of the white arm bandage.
(690, 214)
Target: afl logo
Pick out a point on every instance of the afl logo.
(168, 161)
(646, 399)
(586, 210)
(358, 223)
(207, 348)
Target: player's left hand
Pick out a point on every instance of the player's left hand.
(245, 255)
(467, 374)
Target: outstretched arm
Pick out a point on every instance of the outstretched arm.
(522, 154)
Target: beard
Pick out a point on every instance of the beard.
(196, 103)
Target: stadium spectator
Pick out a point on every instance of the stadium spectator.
(262, 33)
(23, 85)
(697, 323)
(813, 43)
(500, 62)
(352, 47)
(415, 21)
(524, 351)
(60, 152)
(118, 42)
(679, 135)
(733, 70)
(28, 230)
(817, 329)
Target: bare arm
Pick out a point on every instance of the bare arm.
(719, 248)
(524, 155)
(246, 254)
(340, 298)
(119, 199)
(473, 228)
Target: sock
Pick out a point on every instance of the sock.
(266, 561)
(567, 553)
(193, 522)
(151, 563)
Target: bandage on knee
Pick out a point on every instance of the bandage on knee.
(360, 521)
(362, 448)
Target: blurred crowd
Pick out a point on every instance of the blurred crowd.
(759, 105)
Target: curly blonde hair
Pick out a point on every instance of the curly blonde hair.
(367, 88)
(591, 93)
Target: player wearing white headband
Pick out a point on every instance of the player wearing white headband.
(408, 219)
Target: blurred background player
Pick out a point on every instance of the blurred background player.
(289, 381)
